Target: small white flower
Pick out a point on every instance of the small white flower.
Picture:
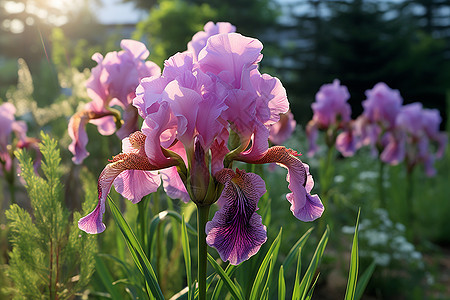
(382, 259)
(339, 179)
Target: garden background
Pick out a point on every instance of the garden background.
(45, 60)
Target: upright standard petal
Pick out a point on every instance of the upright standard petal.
(304, 206)
(199, 39)
(229, 53)
(236, 231)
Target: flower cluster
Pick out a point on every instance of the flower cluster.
(209, 107)
(385, 125)
(112, 83)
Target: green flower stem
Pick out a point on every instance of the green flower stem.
(410, 203)
(381, 194)
(143, 222)
(326, 172)
(202, 218)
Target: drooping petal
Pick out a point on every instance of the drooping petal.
(135, 184)
(77, 132)
(304, 206)
(136, 159)
(236, 231)
(92, 223)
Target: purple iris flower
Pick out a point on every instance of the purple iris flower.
(376, 126)
(421, 129)
(9, 126)
(202, 113)
(282, 130)
(112, 83)
(331, 113)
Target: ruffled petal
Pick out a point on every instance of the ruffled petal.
(230, 53)
(137, 49)
(304, 206)
(236, 231)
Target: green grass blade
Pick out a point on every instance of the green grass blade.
(354, 266)
(187, 257)
(294, 250)
(296, 294)
(281, 284)
(106, 279)
(229, 271)
(311, 290)
(232, 288)
(158, 219)
(136, 251)
(272, 254)
(364, 280)
(315, 260)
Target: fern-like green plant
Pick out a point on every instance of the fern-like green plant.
(50, 257)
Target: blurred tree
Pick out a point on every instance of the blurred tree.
(170, 27)
(360, 42)
(25, 29)
(432, 15)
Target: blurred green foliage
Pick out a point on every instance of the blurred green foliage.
(170, 27)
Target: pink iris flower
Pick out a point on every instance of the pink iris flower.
(331, 113)
(200, 115)
(377, 124)
(282, 130)
(112, 83)
(8, 126)
(421, 129)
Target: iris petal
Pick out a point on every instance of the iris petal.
(236, 230)
(135, 159)
(304, 206)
